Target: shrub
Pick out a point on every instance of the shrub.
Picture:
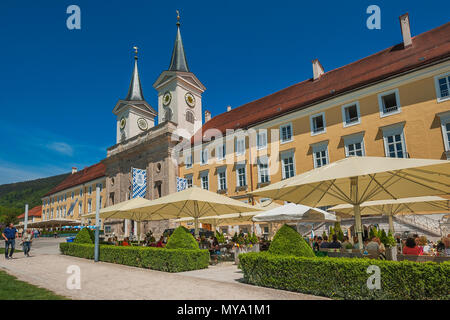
(162, 259)
(181, 239)
(346, 278)
(86, 235)
(220, 237)
(288, 241)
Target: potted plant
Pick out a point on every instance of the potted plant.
(349, 247)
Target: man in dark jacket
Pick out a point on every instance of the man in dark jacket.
(9, 234)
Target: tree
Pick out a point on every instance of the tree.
(288, 241)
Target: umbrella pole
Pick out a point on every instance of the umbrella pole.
(196, 219)
(391, 223)
(358, 225)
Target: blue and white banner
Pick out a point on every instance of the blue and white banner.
(139, 182)
(72, 206)
(181, 184)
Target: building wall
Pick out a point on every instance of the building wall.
(420, 116)
(66, 200)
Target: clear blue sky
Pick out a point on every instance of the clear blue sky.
(58, 86)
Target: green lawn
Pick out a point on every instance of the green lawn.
(13, 289)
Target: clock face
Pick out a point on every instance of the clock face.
(142, 124)
(190, 99)
(167, 97)
(123, 122)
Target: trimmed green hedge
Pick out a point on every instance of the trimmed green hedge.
(346, 278)
(288, 241)
(181, 238)
(169, 260)
(85, 236)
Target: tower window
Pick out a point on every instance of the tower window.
(190, 117)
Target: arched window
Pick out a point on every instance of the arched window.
(189, 117)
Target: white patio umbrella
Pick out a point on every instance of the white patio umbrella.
(123, 210)
(193, 202)
(292, 212)
(356, 180)
(390, 207)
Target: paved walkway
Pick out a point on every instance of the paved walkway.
(46, 268)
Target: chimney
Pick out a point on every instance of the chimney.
(74, 169)
(406, 31)
(317, 69)
(228, 108)
(207, 116)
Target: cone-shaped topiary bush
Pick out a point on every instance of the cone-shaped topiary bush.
(181, 239)
(85, 235)
(288, 241)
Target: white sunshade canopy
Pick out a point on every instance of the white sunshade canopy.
(415, 205)
(295, 212)
(123, 210)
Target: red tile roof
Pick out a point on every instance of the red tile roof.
(426, 48)
(90, 173)
(35, 212)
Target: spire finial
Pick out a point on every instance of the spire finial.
(135, 52)
(178, 18)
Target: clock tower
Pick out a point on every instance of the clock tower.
(134, 114)
(180, 92)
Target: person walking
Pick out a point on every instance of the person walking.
(27, 239)
(9, 234)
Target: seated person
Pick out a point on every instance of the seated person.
(317, 243)
(411, 248)
(325, 243)
(335, 244)
(355, 243)
(160, 243)
(373, 245)
(126, 242)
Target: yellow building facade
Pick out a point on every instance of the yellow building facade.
(404, 116)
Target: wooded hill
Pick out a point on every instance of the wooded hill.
(14, 196)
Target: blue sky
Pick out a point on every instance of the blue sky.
(58, 86)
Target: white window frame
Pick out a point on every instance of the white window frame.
(392, 131)
(445, 119)
(344, 114)
(202, 175)
(90, 190)
(204, 157)
(438, 89)
(263, 161)
(238, 182)
(381, 106)
(311, 123)
(281, 133)
(263, 132)
(221, 151)
(188, 161)
(284, 155)
(80, 207)
(353, 139)
(191, 178)
(224, 171)
(240, 140)
(319, 147)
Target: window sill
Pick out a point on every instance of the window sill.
(222, 191)
(318, 132)
(242, 188)
(262, 184)
(352, 123)
(287, 141)
(439, 100)
(387, 114)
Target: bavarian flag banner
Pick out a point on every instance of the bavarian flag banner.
(139, 182)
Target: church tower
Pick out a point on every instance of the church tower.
(134, 114)
(180, 92)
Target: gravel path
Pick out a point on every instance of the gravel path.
(111, 281)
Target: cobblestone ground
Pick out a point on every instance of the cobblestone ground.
(47, 268)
